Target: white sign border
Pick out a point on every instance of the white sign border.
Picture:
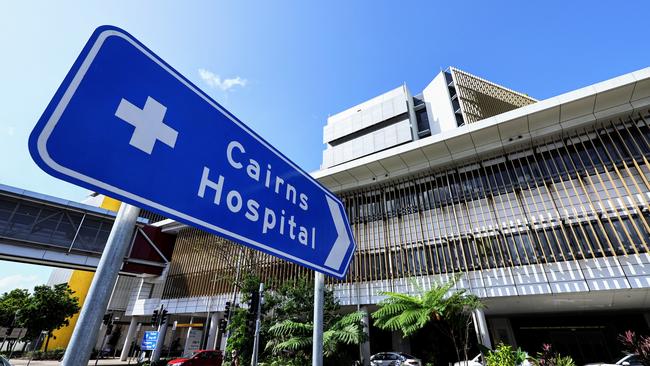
(67, 96)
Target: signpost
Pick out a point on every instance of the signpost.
(149, 340)
(126, 124)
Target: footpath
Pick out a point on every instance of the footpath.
(103, 362)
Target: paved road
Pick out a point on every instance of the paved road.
(106, 362)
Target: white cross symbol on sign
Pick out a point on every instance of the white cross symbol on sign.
(148, 123)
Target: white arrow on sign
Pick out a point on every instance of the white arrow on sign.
(342, 243)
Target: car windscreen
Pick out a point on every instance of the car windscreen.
(384, 356)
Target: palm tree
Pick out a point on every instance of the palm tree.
(293, 336)
(450, 311)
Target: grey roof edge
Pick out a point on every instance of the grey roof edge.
(56, 201)
(542, 105)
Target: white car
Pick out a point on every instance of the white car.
(476, 361)
(629, 360)
(394, 359)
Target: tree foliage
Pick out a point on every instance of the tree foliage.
(450, 311)
(639, 345)
(292, 305)
(296, 337)
(240, 338)
(47, 309)
(286, 329)
(10, 304)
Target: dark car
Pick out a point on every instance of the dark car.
(199, 358)
(394, 359)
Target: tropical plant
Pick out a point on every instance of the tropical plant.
(520, 356)
(450, 311)
(293, 336)
(240, 338)
(639, 345)
(502, 356)
(505, 355)
(547, 357)
(564, 361)
(290, 303)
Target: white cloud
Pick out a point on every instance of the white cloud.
(11, 282)
(215, 80)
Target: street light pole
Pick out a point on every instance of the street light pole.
(319, 303)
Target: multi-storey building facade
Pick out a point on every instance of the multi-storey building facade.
(542, 207)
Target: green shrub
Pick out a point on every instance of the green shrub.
(55, 354)
(505, 355)
(282, 361)
(520, 356)
(550, 358)
(502, 356)
(564, 361)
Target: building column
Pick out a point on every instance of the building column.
(212, 335)
(162, 332)
(187, 338)
(400, 343)
(223, 341)
(364, 348)
(480, 326)
(130, 337)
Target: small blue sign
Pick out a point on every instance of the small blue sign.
(149, 340)
(126, 124)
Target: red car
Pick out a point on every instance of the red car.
(199, 358)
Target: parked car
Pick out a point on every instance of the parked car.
(476, 361)
(199, 358)
(629, 360)
(394, 359)
(4, 361)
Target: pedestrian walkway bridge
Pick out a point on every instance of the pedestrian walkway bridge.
(41, 229)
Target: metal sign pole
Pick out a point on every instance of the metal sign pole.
(258, 325)
(319, 302)
(92, 313)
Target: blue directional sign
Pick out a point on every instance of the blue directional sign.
(149, 340)
(126, 124)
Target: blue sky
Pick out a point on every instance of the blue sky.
(283, 66)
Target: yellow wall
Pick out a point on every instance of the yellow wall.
(79, 282)
(110, 204)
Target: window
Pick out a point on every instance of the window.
(423, 122)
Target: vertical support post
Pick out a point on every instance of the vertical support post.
(364, 347)
(212, 331)
(169, 350)
(78, 351)
(234, 295)
(130, 334)
(480, 325)
(319, 303)
(187, 338)
(162, 332)
(258, 324)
